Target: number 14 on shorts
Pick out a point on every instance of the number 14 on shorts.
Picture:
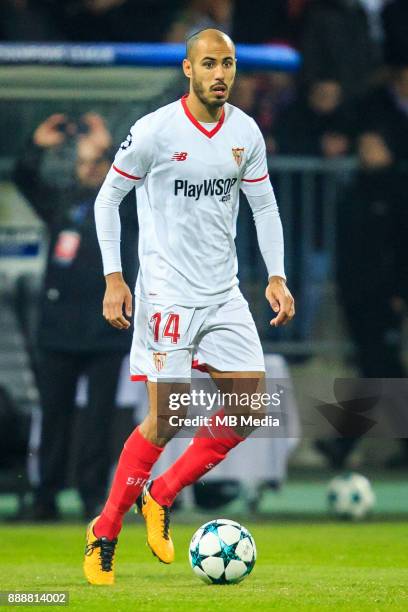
(169, 328)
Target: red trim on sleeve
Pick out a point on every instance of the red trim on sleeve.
(197, 124)
(138, 378)
(126, 175)
(255, 180)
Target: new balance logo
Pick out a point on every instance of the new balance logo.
(179, 156)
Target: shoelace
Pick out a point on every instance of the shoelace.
(107, 551)
(166, 522)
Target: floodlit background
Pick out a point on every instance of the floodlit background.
(336, 130)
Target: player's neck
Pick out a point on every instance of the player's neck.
(200, 111)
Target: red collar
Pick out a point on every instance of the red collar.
(197, 124)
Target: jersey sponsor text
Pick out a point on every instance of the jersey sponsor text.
(208, 187)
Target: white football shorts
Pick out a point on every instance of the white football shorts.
(169, 340)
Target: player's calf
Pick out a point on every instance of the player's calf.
(156, 426)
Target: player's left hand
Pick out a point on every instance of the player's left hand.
(281, 301)
(117, 298)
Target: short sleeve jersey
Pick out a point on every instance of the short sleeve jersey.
(188, 180)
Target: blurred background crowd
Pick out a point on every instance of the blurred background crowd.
(337, 139)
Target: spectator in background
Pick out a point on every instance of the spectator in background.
(198, 15)
(268, 21)
(372, 243)
(72, 338)
(316, 124)
(265, 96)
(378, 210)
(395, 27)
(112, 20)
(27, 20)
(336, 40)
(86, 20)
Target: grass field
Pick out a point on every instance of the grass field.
(301, 566)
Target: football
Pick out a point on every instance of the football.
(222, 552)
(350, 496)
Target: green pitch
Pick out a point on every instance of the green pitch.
(302, 566)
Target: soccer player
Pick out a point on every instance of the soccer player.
(188, 161)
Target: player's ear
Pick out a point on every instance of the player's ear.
(187, 68)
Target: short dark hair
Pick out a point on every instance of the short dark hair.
(195, 37)
(191, 41)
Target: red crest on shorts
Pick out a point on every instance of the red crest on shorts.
(238, 153)
(159, 360)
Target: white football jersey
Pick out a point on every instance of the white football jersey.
(188, 180)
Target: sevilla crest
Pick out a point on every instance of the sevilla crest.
(159, 360)
(238, 153)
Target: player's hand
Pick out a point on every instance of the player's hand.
(117, 301)
(49, 133)
(281, 301)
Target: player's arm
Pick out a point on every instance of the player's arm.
(270, 239)
(258, 190)
(127, 171)
(108, 229)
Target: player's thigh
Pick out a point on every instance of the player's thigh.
(229, 341)
(232, 352)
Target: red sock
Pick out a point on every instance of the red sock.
(209, 447)
(135, 463)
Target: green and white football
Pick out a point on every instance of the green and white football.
(222, 552)
(350, 496)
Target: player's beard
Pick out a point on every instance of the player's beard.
(200, 93)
